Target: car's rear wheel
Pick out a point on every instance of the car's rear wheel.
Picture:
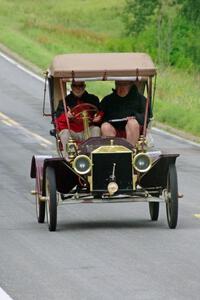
(154, 210)
(51, 203)
(172, 197)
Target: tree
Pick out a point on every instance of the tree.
(168, 29)
(137, 15)
(165, 17)
(191, 10)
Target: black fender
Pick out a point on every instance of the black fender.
(157, 175)
(37, 165)
(66, 177)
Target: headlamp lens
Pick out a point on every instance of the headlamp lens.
(142, 162)
(82, 164)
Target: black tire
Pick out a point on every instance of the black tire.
(40, 209)
(51, 203)
(154, 210)
(172, 197)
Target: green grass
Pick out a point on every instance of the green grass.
(64, 26)
(38, 30)
(177, 101)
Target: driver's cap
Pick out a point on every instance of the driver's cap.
(78, 83)
(123, 82)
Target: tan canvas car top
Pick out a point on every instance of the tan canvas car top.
(102, 65)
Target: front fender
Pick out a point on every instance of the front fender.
(66, 177)
(37, 165)
(157, 175)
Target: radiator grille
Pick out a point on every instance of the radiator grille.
(102, 170)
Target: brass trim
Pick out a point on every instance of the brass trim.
(43, 198)
(136, 157)
(135, 177)
(71, 154)
(111, 149)
(141, 145)
(74, 164)
(85, 118)
(112, 188)
(33, 192)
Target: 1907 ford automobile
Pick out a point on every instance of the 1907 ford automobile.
(103, 169)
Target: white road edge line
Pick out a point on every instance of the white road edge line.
(12, 61)
(154, 129)
(4, 296)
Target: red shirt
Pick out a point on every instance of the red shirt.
(71, 101)
(75, 125)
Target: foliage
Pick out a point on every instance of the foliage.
(137, 15)
(171, 28)
(177, 101)
(191, 10)
(48, 28)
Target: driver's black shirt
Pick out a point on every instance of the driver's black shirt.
(71, 100)
(116, 107)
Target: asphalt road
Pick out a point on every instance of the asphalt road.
(109, 251)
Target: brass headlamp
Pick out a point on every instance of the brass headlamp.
(71, 148)
(142, 162)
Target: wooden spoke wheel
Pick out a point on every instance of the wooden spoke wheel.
(171, 197)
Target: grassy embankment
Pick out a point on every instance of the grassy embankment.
(38, 30)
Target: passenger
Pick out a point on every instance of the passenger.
(124, 111)
(77, 96)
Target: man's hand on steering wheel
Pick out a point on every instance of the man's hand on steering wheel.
(89, 109)
(69, 113)
(96, 119)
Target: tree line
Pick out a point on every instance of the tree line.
(168, 29)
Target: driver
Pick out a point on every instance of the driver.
(78, 95)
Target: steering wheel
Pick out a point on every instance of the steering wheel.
(88, 108)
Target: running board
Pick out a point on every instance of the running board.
(89, 200)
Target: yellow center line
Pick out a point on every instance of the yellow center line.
(197, 216)
(6, 123)
(10, 122)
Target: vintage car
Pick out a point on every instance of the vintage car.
(103, 169)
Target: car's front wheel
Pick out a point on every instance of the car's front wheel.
(172, 197)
